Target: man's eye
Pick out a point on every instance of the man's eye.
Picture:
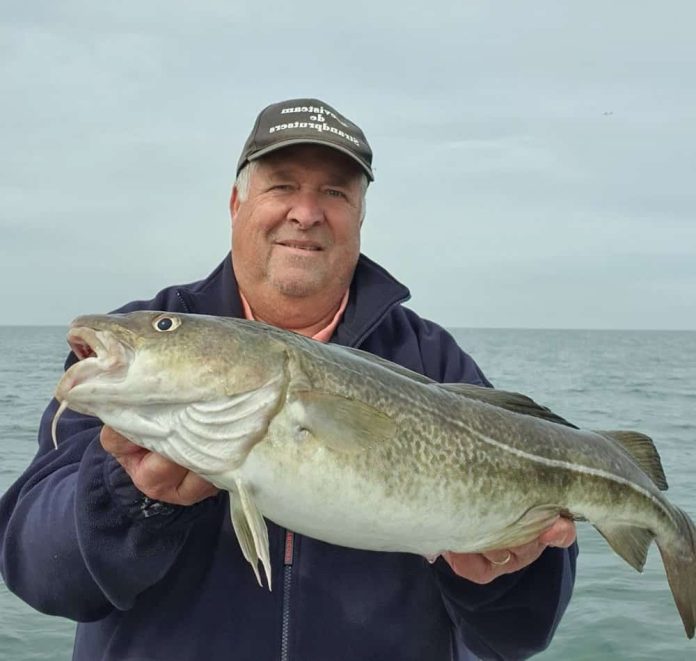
(335, 193)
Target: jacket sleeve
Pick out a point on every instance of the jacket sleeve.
(77, 539)
(517, 614)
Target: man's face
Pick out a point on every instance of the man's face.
(298, 230)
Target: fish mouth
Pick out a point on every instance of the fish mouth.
(102, 358)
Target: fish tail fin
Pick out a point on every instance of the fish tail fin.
(679, 558)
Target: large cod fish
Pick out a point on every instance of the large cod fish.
(351, 449)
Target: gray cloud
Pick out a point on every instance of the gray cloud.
(534, 162)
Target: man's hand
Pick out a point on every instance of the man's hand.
(156, 476)
(484, 567)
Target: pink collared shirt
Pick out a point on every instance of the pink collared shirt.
(324, 335)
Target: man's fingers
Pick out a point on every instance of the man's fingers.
(508, 560)
(131, 460)
(561, 534)
(114, 443)
(473, 566)
(162, 479)
(498, 558)
(128, 454)
(157, 476)
(484, 567)
(193, 488)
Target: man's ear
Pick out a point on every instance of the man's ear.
(234, 203)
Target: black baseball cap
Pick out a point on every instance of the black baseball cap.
(306, 121)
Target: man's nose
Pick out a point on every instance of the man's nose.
(306, 210)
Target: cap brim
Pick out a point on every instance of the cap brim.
(310, 141)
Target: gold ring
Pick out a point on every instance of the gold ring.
(500, 563)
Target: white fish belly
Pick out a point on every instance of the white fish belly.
(308, 488)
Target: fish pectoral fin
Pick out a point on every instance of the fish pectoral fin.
(510, 401)
(251, 530)
(630, 542)
(343, 424)
(642, 450)
(244, 535)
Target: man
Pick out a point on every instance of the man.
(141, 552)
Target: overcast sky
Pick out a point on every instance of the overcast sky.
(535, 162)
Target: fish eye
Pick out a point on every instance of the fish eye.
(165, 323)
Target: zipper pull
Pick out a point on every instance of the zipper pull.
(289, 547)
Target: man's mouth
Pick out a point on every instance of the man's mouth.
(309, 246)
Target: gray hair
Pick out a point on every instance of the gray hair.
(243, 182)
(244, 179)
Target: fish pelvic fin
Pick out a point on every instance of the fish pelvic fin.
(252, 533)
(244, 536)
(679, 558)
(630, 542)
(642, 450)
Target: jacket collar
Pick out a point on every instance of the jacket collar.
(373, 292)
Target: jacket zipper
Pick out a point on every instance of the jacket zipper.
(287, 561)
(287, 582)
(183, 302)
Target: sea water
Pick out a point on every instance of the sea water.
(640, 380)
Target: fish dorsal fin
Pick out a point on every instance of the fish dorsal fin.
(642, 450)
(343, 424)
(510, 401)
(250, 528)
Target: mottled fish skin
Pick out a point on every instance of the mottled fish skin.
(348, 448)
(444, 460)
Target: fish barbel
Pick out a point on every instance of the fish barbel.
(353, 450)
